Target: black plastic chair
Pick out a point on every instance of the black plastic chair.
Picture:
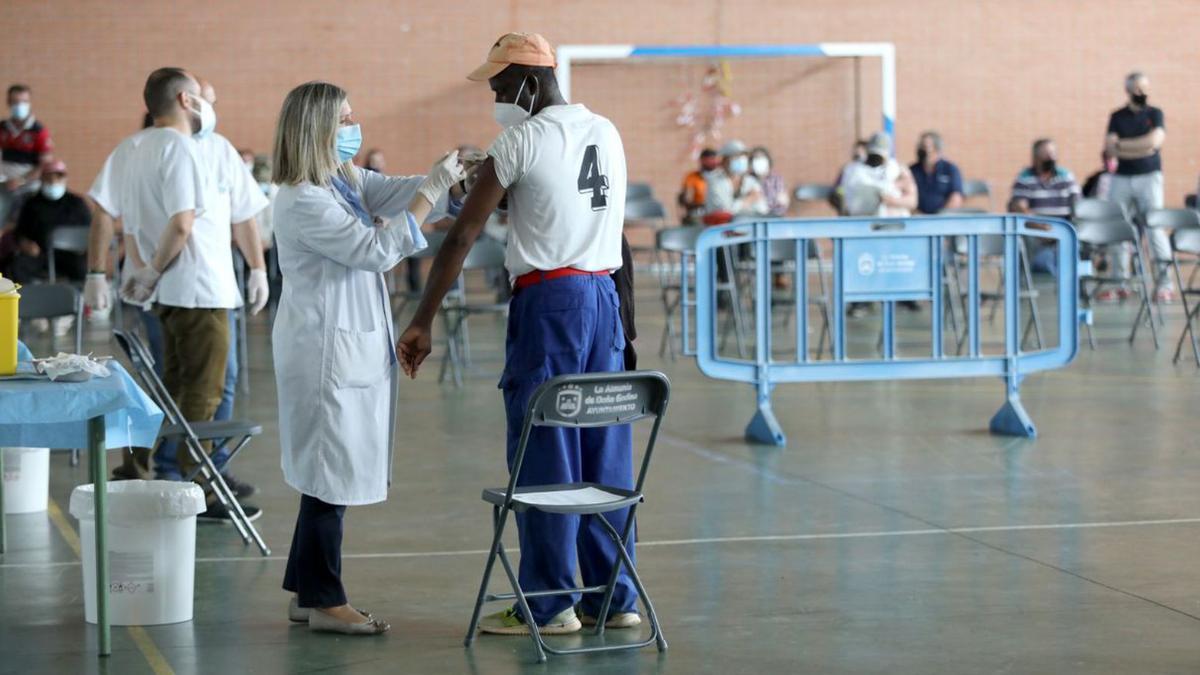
(564, 402)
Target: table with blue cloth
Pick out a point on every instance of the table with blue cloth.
(109, 413)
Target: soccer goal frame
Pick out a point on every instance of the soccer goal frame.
(569, 55)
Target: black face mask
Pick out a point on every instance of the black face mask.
(874, 160)
(922, 155)
(1138, 99)
(1048, 165)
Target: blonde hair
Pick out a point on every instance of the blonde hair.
(305, 136)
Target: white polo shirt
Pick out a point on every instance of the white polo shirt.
(564, 170)
(165, 175)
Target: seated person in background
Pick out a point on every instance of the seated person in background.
(774, 189)
(939, 182)
(1097, 185)
(733, 192)
(50, 208)
(374, 161)
(877, 186)
(695, 187)
(857, 155)
(25, 144)
(1046, 189)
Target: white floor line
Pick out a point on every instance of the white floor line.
(766, 538)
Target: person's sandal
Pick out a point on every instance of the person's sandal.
(323, 623)
(298, 614)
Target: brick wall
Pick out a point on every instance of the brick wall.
(991, 75)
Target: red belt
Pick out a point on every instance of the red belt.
(538, 276)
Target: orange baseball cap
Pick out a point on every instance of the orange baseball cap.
(526, 49)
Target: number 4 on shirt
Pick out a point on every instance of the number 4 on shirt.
(591, 180)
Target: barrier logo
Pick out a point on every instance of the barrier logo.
(866, 264)
(569, 401)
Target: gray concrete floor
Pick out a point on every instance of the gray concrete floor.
(893, 535)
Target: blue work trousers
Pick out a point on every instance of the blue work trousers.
(567, 325)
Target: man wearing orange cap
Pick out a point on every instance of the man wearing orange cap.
(563, 170)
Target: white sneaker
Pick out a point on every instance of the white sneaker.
(508, 623)
(615, 620)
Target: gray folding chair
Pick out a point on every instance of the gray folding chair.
(54, 301)
(69, 239)
(565, 402)
(1101, 234)
(783, 261)
(977, 188)
(812, 192)
(990, 249)
(486, 254)
(192, 434)
(1187, 242)
(644, 214)
(1098, 210)
(676, 249)
(1171, 220)
(636, 192)
(403, 299)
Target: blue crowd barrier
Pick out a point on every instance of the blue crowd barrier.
(885, 260)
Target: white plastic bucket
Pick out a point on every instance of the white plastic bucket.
(26, 479)
(151, 550)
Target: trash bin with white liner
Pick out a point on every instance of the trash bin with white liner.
(151, 549)
(26, 479)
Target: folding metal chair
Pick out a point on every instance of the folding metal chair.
(567, 401)
(434, 241)
(55, 301)
(69, 239)
(636, 192)
(812, 192)
(1187, 241)
(647, 215)
(191, 434)
(1171, 220)
(991, 248)
(679, 246)
(1103, 233)
(783, 261)
(977, 188)
(486, 254)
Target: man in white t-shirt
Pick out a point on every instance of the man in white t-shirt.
(563, 169)
(173, 207)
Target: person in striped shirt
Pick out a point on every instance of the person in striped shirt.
(1046, 189)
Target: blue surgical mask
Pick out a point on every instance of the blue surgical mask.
(54, 191)
(19, 110)
(739, 165)
(348, 143)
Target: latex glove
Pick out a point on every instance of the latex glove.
(138, 287)
(446, 172)
(95, 291)
(257, 290)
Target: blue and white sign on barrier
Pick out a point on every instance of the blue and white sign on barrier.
(887, 260)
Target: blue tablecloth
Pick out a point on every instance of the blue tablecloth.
(45, 414)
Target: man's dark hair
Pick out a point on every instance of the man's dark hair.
(708, 152)
(162, 87)
(1039, 144)
(19, 89)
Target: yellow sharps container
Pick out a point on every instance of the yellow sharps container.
(9, 299)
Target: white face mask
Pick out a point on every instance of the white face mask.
(510, 114)
(208, 118)
(54, 191)
(761, 166)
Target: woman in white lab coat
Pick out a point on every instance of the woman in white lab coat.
(337, 229)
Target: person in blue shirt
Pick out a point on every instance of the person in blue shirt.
(939, 183)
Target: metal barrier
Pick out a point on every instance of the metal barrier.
(886, 260)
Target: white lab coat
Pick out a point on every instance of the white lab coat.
(335, 363)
